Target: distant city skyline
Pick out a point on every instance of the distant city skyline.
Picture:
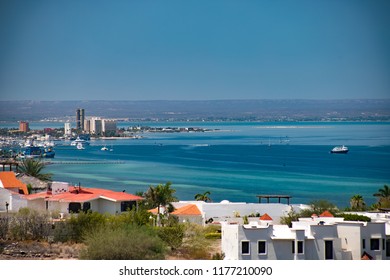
(194, 50)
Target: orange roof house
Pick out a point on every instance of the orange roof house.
(9, 181)
(80, 198)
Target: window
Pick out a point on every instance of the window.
(262, 247)
(127, 205)
(374, 244)
(388, 248)
(245, 248)
(299, 247)
(364, 244)
(383, 244)
(74, 207)
(86, 206)
(328, 250)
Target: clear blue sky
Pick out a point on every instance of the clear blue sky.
(194, 50)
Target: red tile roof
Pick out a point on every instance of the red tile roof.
(9, 180)
(188, 210)
(265, 217)
(326, 213)
(76, 194)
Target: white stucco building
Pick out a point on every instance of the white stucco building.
(317, 238)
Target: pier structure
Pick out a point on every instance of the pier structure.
(278, 196)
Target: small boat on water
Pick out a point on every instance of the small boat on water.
(104, 148)
(340, 150)
(79, 141)
(37, 152)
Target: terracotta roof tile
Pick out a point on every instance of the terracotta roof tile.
(76, 194)
(9, 180)
(188, 210)
(326, 213)
(265, 217)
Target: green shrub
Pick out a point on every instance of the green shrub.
(172, 236)
(213, 235)
(82, 223)
(4, 226)
(29, 224)
(123, 243)
(354, 217)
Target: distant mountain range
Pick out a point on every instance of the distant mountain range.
(262, 110)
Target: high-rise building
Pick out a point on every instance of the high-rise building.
(80, 117)
(67, 129)
(87, 125)
(96, 126)
(108, 126)
(24, 126)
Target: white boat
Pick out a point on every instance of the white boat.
(104, 148)
(78, 140)
(340, 150)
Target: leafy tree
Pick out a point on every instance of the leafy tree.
(203, 196)
(383, 195)
(357, 203)
(319, 206)
(34, 168)
(291, 216)
(161, 196)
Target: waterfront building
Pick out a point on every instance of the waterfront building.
(80, 118)
(24, 126)
(108, 126)
(87, 125)
(72, 199)
(95, 126)
(67, 129)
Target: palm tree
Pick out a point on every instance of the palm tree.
(161, 196)
(384, 196)
(357, 202)
(203, 196)
(34, 168)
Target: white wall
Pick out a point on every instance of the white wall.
(5, 196)
(229, 241)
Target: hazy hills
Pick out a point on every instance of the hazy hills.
(268, 110)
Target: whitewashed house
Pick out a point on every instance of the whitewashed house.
(72, 199)
(12, 192)
(316, 238)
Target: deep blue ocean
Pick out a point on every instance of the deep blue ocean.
(238, 161)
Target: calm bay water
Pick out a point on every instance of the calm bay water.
(238, 161)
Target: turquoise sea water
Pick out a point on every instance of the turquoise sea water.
(238, 161)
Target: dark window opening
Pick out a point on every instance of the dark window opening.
(245, 247)
(74, 207)
(388, 248)
(86, 206)
(328, 250)
(262, 247)
(127, 205)
(364, 243)
(300, 247)
(374, 244)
